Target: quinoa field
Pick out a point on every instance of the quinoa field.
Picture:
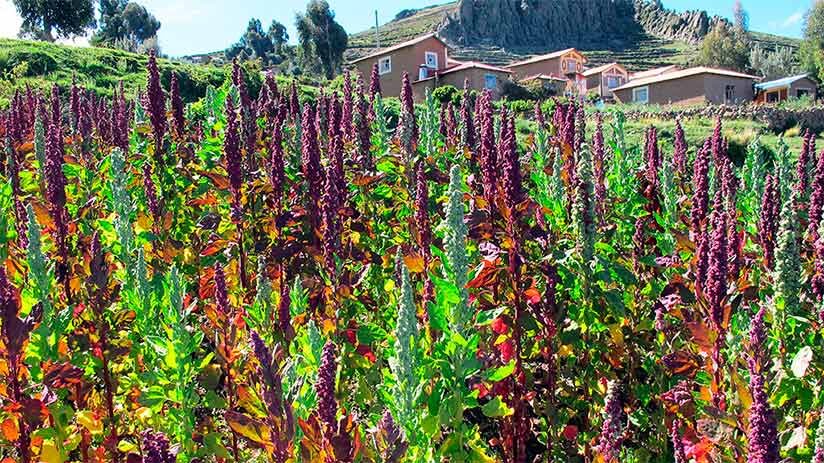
(275, 278)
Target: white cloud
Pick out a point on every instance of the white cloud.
(9, 20)
(793, 19)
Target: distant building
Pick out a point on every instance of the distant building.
(563, 63)
(478, 76)
(421, 57)
(779, 90)
(427, 61)
(689, 86)
(603, 79)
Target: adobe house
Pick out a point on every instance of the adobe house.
(478, 76)
(421, 57)
(779, 90)
(689, 86)
(603, 79)
(558, 64)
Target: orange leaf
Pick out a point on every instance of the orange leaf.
(249, 400)
(42, 214)
(11, 430)
(25, 148)
(220, 181)
(364, 180)
(209, 200)
(681, 363)
(485, 277)
(214, 247)
(415, 263)
(702, 335)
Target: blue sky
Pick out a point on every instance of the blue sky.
(199, 26)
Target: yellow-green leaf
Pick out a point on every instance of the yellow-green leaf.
(88, 420)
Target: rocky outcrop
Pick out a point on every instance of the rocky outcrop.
(600, 24)
(689, 26)
(540, 23)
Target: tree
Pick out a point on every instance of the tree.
(321, 37)
(126, 25)
(772, 64)
(278, 35)
(741, 19)
(42, 19)
(812, 47)
(269, 47)
(723, 48)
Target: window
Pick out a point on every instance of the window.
(729, 93)
(772, 97)
(802, 92)
(385, 65)
(490, 81)
(431, 60)
(570, 66)
(640, 95)
(614, 81)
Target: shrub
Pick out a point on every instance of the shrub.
(515, 91)
(447, 93)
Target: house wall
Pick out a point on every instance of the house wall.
(594, 83)
(805, 83)
(548, 66)
(419, 89)
(695, 89)
(598, 82)
(714, 88)
(476, 78)
(687, 90)
(406, 59)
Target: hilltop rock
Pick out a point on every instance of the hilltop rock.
(531, 23)
(561, 23)
(689, 26)
(638, 33)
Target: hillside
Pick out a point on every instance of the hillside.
(40, 64)
(638, 33)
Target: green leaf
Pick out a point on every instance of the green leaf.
(486, 317)
(153, 396)
(496, 408)
(501, 373)
(437, 316)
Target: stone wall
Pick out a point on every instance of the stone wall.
(777, 119)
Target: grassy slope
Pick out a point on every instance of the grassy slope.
(649, 51)
(40, 64)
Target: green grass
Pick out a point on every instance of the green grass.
(39, 65)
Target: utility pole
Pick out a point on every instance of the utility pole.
(377, 32)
